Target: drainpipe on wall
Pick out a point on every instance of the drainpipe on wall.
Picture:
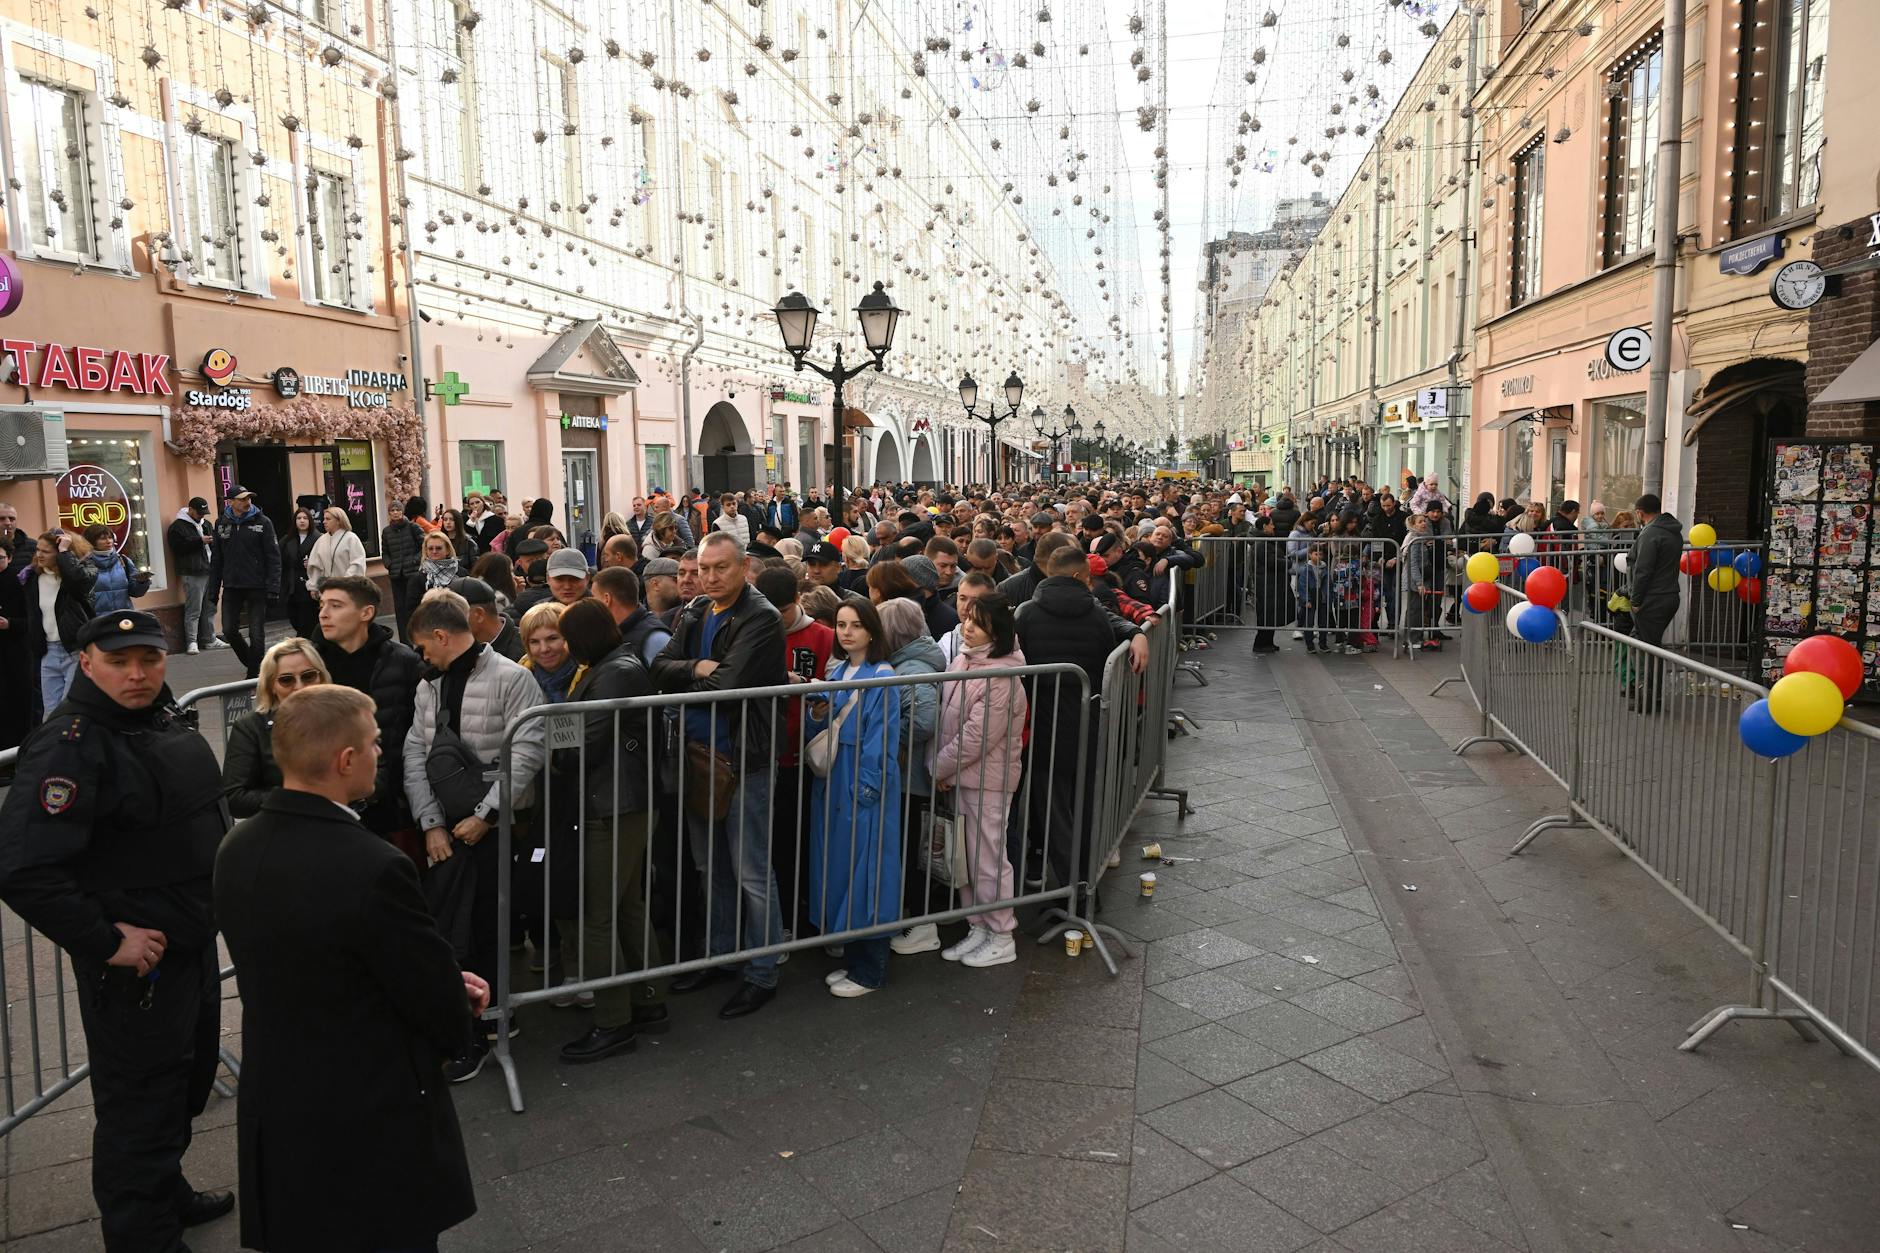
(1464, 331)
(1665, 244)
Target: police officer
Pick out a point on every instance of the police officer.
(107, 847)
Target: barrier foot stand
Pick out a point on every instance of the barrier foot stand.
(1714, 1022)
(1193, 670)
(1549, 823)
(507, 1061)
(1445, 683)
(1473, 740)
(1177, 794)
(1068, 921)
(222, 1088)
(1181, 723)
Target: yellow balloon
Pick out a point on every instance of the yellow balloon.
(1805, 703)
(1723, 579)
(1703, 535)
(1483, 568)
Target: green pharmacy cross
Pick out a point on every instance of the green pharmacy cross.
(450, 389)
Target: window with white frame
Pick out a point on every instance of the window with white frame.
(1524, 270)
(56, 169)
(329, 239)
(561, 156)
(454, 153)
(208, 170)
(1632, 150)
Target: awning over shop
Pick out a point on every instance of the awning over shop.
(854, 419)
(1556, 413)
(1020, 447)
(1860, 381)
(1764, 390)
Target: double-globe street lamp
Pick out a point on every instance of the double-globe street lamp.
(969, 397)
(796, 320)
(1070, 428)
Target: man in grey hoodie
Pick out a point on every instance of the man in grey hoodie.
(1653, 592)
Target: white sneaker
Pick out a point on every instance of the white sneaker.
(1299, 635)
(975, 936)
(835, 976)
(192, 650)
(221, 643)
(996, 951)
(849, 988)
(567, 1000)
(924, 938)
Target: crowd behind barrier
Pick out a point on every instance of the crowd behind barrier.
(1774, 856)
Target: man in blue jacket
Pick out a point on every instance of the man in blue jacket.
(245, 567)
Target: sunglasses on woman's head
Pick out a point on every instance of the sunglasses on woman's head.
(306, 678)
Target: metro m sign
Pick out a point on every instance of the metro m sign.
(89, 369)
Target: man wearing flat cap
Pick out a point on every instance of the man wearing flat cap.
(107, 848)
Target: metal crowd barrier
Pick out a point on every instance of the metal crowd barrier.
(852, 871)
(1776, 857)
(1252, 582)
(36, 977)
(1132, 744)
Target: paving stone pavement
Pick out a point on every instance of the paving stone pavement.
(1305, 1053)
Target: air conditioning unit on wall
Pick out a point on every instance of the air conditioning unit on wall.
(32, 442)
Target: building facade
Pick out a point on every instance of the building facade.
(201, 289)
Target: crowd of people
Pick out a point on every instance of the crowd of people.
(756, 800)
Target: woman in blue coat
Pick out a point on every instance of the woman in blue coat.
(855, 834)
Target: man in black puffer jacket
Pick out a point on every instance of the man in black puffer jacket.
(246, 568)
(401, 547)
(1653, 590)
(1063, 622)
(360, 653)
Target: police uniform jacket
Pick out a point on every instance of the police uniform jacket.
(115, 817)
(351, 1004)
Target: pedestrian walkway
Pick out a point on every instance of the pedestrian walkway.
(1354, 1024)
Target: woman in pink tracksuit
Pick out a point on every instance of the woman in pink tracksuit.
(976, 752)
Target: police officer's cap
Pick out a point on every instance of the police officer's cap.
(130, 628)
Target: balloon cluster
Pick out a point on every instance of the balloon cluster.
(1483, 569)
(1546, 587)
(1723, 569)
(1820, 675)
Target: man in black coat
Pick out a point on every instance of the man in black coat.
(360, 653)
(1652, 587)
(401, 547)
(107, 842)
(246, 569)
(1063, 622)
(730, 637)
(351, 1003)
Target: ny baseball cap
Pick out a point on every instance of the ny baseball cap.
(823, 551)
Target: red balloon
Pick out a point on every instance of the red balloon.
(838, 535)
(1830, 656)
(1482, 597)
(1693, 562)
(1749, 591)
(1546, 587)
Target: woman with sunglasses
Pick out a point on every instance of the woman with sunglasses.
(248, 769)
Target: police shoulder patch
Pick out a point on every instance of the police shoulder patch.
(74, 730)
(57, 794)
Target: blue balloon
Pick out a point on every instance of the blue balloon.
(1536, 624)
(1762, 736)
(1525, 567)
(1721, 556)
(1749, 565)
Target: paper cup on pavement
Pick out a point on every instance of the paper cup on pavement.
(1073, 943)
(1152, 852)
(1148, 883)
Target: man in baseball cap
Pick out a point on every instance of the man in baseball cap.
(824, 563)
(567, 575)
(487, 621)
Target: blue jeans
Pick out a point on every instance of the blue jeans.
(736, 849)
(57, 669)
(867, 961)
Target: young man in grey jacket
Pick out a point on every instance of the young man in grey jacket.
(476, 692)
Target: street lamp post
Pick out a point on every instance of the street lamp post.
(796, 320)
(969, 398)
(1070, 428)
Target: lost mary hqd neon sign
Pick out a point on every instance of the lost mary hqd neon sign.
(89, 369)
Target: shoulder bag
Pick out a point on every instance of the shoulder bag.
(822, 748)
(454, 771)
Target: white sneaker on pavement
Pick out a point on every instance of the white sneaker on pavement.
(834, 977)
(192, 650)
(974, 937)
(221, 643)
(924, 938)
(996, 951)
(849, 988)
